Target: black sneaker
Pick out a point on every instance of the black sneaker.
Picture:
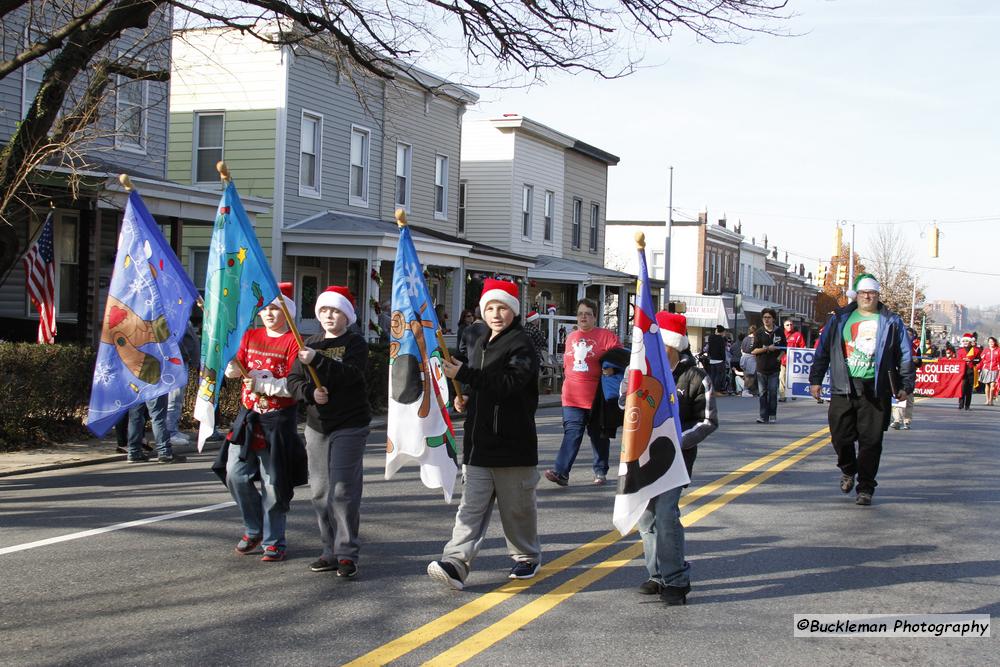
(215, 437)
(863, 498)
(322, 565)
(650, 587)
(173, 458)
(523, 569)
(142, 458)
(674, 596)
(556, 478)
(846, 483)
(347, 568)
(445, 572)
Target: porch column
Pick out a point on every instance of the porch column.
(622, 311)
(581, 291)
(371, 290)
(600, 304)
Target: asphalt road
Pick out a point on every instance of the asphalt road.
(773, 539)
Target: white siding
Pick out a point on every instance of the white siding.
(487, 168)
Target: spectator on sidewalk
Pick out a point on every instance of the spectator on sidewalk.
(748, 362)
(715, 348)
(500, 451)
(337, 426)
(190, 348)
(581, 375)
(471, 334)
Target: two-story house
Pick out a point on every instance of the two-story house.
(86, 202)
(534, 191)
(338, 152)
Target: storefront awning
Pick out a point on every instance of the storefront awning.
(708, 311)
(762, 278)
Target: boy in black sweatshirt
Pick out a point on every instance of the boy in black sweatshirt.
(337, 427)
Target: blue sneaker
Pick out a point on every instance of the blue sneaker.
(523, 569)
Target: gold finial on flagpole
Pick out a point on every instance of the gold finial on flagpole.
(125, 181)
(401, 217)
(640, 240)
(223, 170)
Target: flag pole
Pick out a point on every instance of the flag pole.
(224, 174)
(401, 222)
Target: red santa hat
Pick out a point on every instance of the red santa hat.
(532, 316)
(287, 292)
(968, 338)
(673, 330)
(502, 291)
(340, 298)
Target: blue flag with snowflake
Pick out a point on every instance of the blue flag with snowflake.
(238, 283)
(149, 305)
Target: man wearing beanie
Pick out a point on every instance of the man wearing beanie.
(660, 525)
(500, 450)
(264, 443)
(868, 352)
(337, 426)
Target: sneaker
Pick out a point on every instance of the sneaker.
(863, 498)
(820, 401)
(556, 478)
(179, 439)
(846, 483)
(273, 554)
(906, 426)
(121, 449)
(346, 568)
(446, 573)
(247, 545)
(600, 480)
(173, 458)
(215, 437)
(650, 587)
(142, 458)
(523, 569)
(761, 420)
(782, 400)
(895, 426)
(774, 420)
(322, 565)
(674, 596)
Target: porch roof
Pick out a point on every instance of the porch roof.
(565, 270)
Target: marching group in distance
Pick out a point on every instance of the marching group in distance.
(866, 348)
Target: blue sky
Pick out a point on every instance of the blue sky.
(875, 112)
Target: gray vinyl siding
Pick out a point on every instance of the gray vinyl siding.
(489, 202)
(587, 180)
(13, 295)
(539, 164)
(102, 150)
(429, 132)
(313, 86)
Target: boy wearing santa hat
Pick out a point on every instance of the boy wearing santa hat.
(264, 443)
(337, 426)
(500, 451)
(660, 525)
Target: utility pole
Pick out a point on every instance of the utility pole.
(850, 262)
(665, 299)
(913, 303)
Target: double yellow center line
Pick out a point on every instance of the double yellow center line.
(781, 459)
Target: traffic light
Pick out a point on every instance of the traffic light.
(842, 275)
(935, 236)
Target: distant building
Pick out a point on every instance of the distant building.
(948, 312)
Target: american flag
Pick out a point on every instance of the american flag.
(41, 280)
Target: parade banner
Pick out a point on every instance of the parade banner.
(940, 379)
(800, 361)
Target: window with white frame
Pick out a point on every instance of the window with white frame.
(359, 166)
(404, 161)
(69, 265)
(463, 194)
(208, 145)
(311, 155)
(527, 194)
(32, 75)
(577, 222)
(658, 264)
(595, 214)
(131, 103)
(550, 202)
(440, 187)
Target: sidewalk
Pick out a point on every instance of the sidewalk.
(93, 452)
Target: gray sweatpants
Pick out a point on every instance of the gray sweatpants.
(335, 478)
(513, 489)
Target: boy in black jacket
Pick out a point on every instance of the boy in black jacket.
(337, 427)
(500, 451)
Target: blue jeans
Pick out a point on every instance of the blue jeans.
(663, 540)
(574, 424)
(175, 402)
(262, 515)
(137, 427)
(767, 388)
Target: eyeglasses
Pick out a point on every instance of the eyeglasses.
(870, 294)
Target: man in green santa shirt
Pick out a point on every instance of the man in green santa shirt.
(867, 350)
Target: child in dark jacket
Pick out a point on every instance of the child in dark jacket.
(337, 426)
(500, 451)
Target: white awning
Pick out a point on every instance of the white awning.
(708, 311)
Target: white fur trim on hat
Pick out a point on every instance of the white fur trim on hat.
(868, 283)
(336, 300)
(496, 292)
(673, 339)
(288, 304)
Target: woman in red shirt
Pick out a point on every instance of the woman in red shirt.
(582, 373)
(989, 368)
